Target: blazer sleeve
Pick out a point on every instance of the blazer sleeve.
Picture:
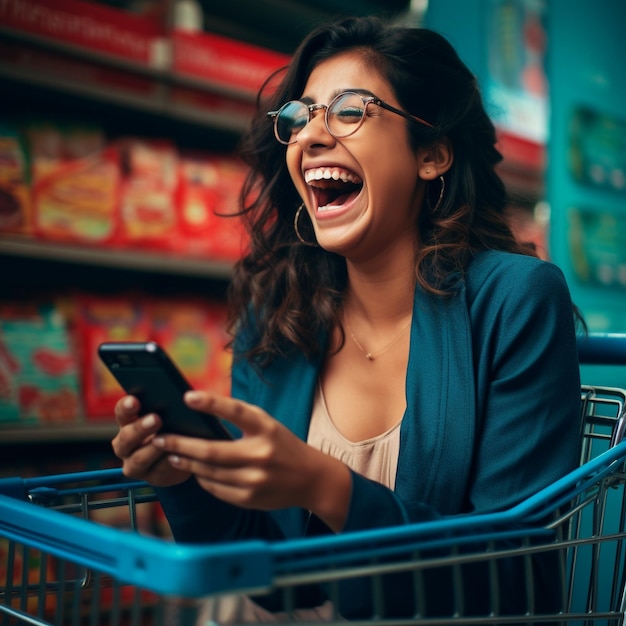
(526, 360)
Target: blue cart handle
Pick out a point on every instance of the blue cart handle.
(602, 349)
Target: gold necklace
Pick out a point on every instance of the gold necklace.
(370, 356)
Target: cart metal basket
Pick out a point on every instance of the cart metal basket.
(62, 562)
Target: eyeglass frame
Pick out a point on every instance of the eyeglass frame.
(367, 100)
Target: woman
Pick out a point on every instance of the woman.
(398, 355)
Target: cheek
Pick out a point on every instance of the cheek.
(394, 175)
(390, 160)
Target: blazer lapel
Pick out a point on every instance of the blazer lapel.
(438, 429)
(296, 378)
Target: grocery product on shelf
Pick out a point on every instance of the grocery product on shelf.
(192, 330)
(147, 196)
(15, 202)
(38, 369)
(98, 319)
(126, 192)
(208, 193)
(76, 180)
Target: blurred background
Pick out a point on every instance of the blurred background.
(118, 125)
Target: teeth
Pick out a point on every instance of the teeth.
(328, 173)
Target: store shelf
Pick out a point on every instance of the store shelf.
(44, 76)
(68, 69)
(81, 52)
(160, 104)
(281, 24)
(11, 434)
(131, 67)
(159, 262)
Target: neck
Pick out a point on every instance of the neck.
(381, 297)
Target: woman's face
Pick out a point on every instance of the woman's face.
(362, 192)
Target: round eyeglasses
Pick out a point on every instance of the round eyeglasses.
(343, 116)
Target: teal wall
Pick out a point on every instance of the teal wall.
(583, 116)
(586, 176)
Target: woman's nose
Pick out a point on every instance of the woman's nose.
(315, 132)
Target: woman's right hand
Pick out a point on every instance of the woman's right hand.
(132, 445)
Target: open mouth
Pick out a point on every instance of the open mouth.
(332, 186)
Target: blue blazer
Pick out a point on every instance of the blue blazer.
(493, 408)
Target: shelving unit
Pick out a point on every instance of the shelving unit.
(57, 433)
(18, 248)
(32, 266)
(229, 114)
(52, 76)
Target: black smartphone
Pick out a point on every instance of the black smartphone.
(144, 370)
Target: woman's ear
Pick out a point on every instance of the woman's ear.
(435, 160)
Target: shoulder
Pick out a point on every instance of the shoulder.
(495, 271)
(508, 291)
(497, 263)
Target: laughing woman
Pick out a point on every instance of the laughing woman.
(398, 356)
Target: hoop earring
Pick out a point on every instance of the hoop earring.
(295, 227)
(440, 198)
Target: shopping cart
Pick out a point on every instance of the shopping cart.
(62, 563)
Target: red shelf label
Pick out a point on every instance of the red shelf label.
(521, 151)
(224, 61)
(91, 26)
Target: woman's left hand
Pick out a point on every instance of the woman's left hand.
(267, 468)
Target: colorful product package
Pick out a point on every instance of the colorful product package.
(76, 179)
(15, 199)
(208, 193)
(147, 196)
(192, 331)
(222, 360)
(183, 329)
(38, 368)
(100, 319)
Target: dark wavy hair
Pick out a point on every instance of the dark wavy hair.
(294, 291)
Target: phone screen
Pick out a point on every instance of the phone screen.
(144, 370)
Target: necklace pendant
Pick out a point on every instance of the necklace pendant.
(368, 355)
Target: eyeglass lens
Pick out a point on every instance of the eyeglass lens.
(344, 115)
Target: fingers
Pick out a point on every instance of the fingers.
(133, 446)
(202, 451)
(249, 418)
(259, 429)
(239, 482)
(135, 435)
(134, 431)
(126, 410)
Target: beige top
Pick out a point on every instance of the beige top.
(375, 458)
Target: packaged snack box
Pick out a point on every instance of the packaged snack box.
(15, 201)
(38, 368)
(76, 178)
